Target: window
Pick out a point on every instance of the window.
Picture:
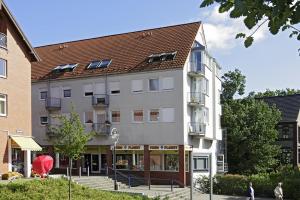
(137, 86)
(44, 120)
(205, 113)
(3, 68)
(200, 163)
(43, 95)
(168, 83)
(168, 115)
(67, 93)
(88, 117)
(153, 84)
(285, 132)
(205, 86)
(88, 90)
(156, 162)
(99, 64)
(171, 162)
(115, 116)
(154, 115)
(65, 67)
(114, 87)
(161, 57)
(138, 115)
(3, 105)
(100, 88)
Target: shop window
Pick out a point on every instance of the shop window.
(156, 162)
(171, 162)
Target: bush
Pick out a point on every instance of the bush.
(263, 184)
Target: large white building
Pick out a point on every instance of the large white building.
(159, 88)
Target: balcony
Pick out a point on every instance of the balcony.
(100, 100)
(196, 69)
(101, 128)
(53, 103)
(3, 40)
(196, 129)
(196, 99)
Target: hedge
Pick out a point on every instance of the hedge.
(263, 184)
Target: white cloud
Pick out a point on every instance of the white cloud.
(220, 30)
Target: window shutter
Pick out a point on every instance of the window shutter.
(137, 85)
(100, 88)
(88, 88)
(168, 114)
(113, 86)
(168, 83)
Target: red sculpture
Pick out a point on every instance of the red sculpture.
(42, 165)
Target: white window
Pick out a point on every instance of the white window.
(200, 163)
(88, 90)
(44, 120)
(168, 114)
(168, 83)
(137, 86)
(100, 88)
(205, 86)
(3, 105)
(3, 68)
(114, 87)
(88, 117)
(138, 115)
(67, 92)
(115, 116)
(43, 94)
(154, 115)
(154, 84)
(205, 113)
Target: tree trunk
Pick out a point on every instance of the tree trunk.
(70, 177)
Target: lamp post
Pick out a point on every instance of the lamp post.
(115, 136)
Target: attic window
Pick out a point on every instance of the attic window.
(162, 57)
(65, 67)
(99, 64)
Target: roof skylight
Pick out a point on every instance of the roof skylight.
(99, 64)
(65, 67)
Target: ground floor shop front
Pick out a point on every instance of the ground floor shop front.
(160, 163)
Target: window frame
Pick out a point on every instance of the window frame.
(5, 104)
(64, 89)
(88, 91)
(149, 90)
(44, 123)
(206, 162)
(110, 90)
(5, 68)
(149, 115)
(165, 79)
(133, 116)
(111, 116)
(137, 91)
(85, 118)
(40, 95)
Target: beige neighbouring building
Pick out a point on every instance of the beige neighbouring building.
(16, 56)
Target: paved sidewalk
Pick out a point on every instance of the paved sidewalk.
(222, 197)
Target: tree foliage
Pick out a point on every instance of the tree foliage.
(251, 133)
(280, 15)
(233, 83)
(251, 128)
(270, 93)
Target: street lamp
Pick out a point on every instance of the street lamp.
(115, 137)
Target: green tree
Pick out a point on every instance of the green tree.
(70, 139)
(270, 93)
(278, 14)
(251, 129)
(233, 84)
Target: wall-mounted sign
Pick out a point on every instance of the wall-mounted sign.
(163, 147)
(128, 147)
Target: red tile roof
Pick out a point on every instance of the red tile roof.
(128, 51)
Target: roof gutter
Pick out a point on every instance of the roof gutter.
(32, 51)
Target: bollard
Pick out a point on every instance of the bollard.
(88, 171)
(79, 172)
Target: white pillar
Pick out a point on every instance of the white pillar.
(133, 159)
(27, 163)
(9, 155)
(56, 160)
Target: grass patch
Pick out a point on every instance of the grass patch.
(54, 189)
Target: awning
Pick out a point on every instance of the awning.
(24, 143)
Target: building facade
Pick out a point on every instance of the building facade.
(288, 127)
(16, 55)
(159, 88)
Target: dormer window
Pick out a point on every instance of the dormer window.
(99, 64)
(65, 67)
(161, 57)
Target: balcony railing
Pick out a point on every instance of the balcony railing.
(101, 128)
(53, 103)
(100, 100)
(196, 69)
(196, 98)
(3, 40)
(196, 129)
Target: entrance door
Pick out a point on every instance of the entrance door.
(103, 163)
(95, 163)
(87, 162)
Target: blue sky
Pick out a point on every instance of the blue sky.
(272, 62)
